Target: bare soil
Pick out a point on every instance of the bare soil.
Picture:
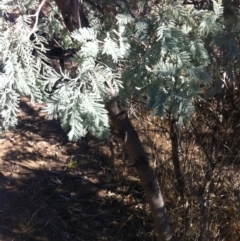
(55, 190)
(52, 189)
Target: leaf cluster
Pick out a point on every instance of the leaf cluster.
(21, 59)
(161, 51)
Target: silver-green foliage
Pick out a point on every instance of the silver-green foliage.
(179, 68)
(159, 55)
(80, 100)
(20, 69)
(220, 29)
(167, 58)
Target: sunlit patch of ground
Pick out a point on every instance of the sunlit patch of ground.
(52, 189)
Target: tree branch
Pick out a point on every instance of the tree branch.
(137, 157)
(72, 13)
(100, 9)
(129, 9)
(37, 16)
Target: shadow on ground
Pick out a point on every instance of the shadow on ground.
(51, 189)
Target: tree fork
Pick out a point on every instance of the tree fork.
(122, 124)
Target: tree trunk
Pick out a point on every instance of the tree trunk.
(175, 157)
(74, 18)
(138, 158)
(72, 13)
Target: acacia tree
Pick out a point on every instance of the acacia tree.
(121, 50)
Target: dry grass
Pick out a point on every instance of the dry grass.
(57, 190)
(212, 215)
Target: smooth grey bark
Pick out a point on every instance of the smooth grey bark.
(138, 159)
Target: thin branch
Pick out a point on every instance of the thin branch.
(129, 9)
(110, 89)
(100, 9)
(37, 16)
